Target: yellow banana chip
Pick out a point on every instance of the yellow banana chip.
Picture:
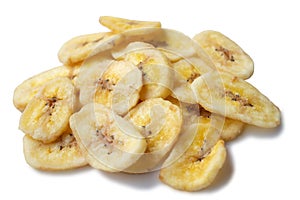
(119, 25)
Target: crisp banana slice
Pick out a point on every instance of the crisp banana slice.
(119, 25)
(29, 88)
(230, 96)
(46, 116)
(117, 87)
(160, 122)
(62, 154)
(195, 169)
(154, 66)
(79, 48)
(109, 142)
(225, 54)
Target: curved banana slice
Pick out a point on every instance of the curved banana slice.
(230, 96)
(109, 142)
(62, 154)
(225, 54)
(184, 74)
(160, 122)
(118, 25)
(193, 171)
(79, 48)
(29, 88)
(46, 116)
(117, 87)
(154, 66)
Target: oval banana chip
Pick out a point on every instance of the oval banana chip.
(192, 172)
(110, 143)
(62, 154)
(30, 87)
(157, 81)
(225, 54)
(119, 25)
(79, 48)
(230, 96)
(46, 116)
(160, 123)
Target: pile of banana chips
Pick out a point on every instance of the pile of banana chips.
(141, 98)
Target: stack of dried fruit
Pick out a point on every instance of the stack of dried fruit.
(142, 98)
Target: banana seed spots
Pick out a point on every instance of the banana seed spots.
(102, 135)
(236, 97)
(50, 104)
(192, 77)
(226, 53)
(105, 84)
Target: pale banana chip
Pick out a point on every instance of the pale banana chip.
(46, 116)
(79, 48)
(62, 154)
(230, 96)
(118, 86)
(119, 25)
(156, 72)
(193, 171)
(109, 142)
(29, 88)
(160, 123)
(225, 54)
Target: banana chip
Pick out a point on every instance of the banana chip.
(110, 142)
(225, 54)
(30, 87)
(119, 25)
(160, 123)
(79, 48)
(62, 154)
(46, 117)
(235, 98)
(142, 98)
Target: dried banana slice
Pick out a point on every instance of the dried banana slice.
(230, 96)
(29, 88)
(155, 69)
(119, 25)
(62, 154)
(79, 48)
(160, 122)
(194, 170)
(117, 85)
(46, 116)
(225, 54)
(110, 142)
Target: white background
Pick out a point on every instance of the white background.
(261, 164)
